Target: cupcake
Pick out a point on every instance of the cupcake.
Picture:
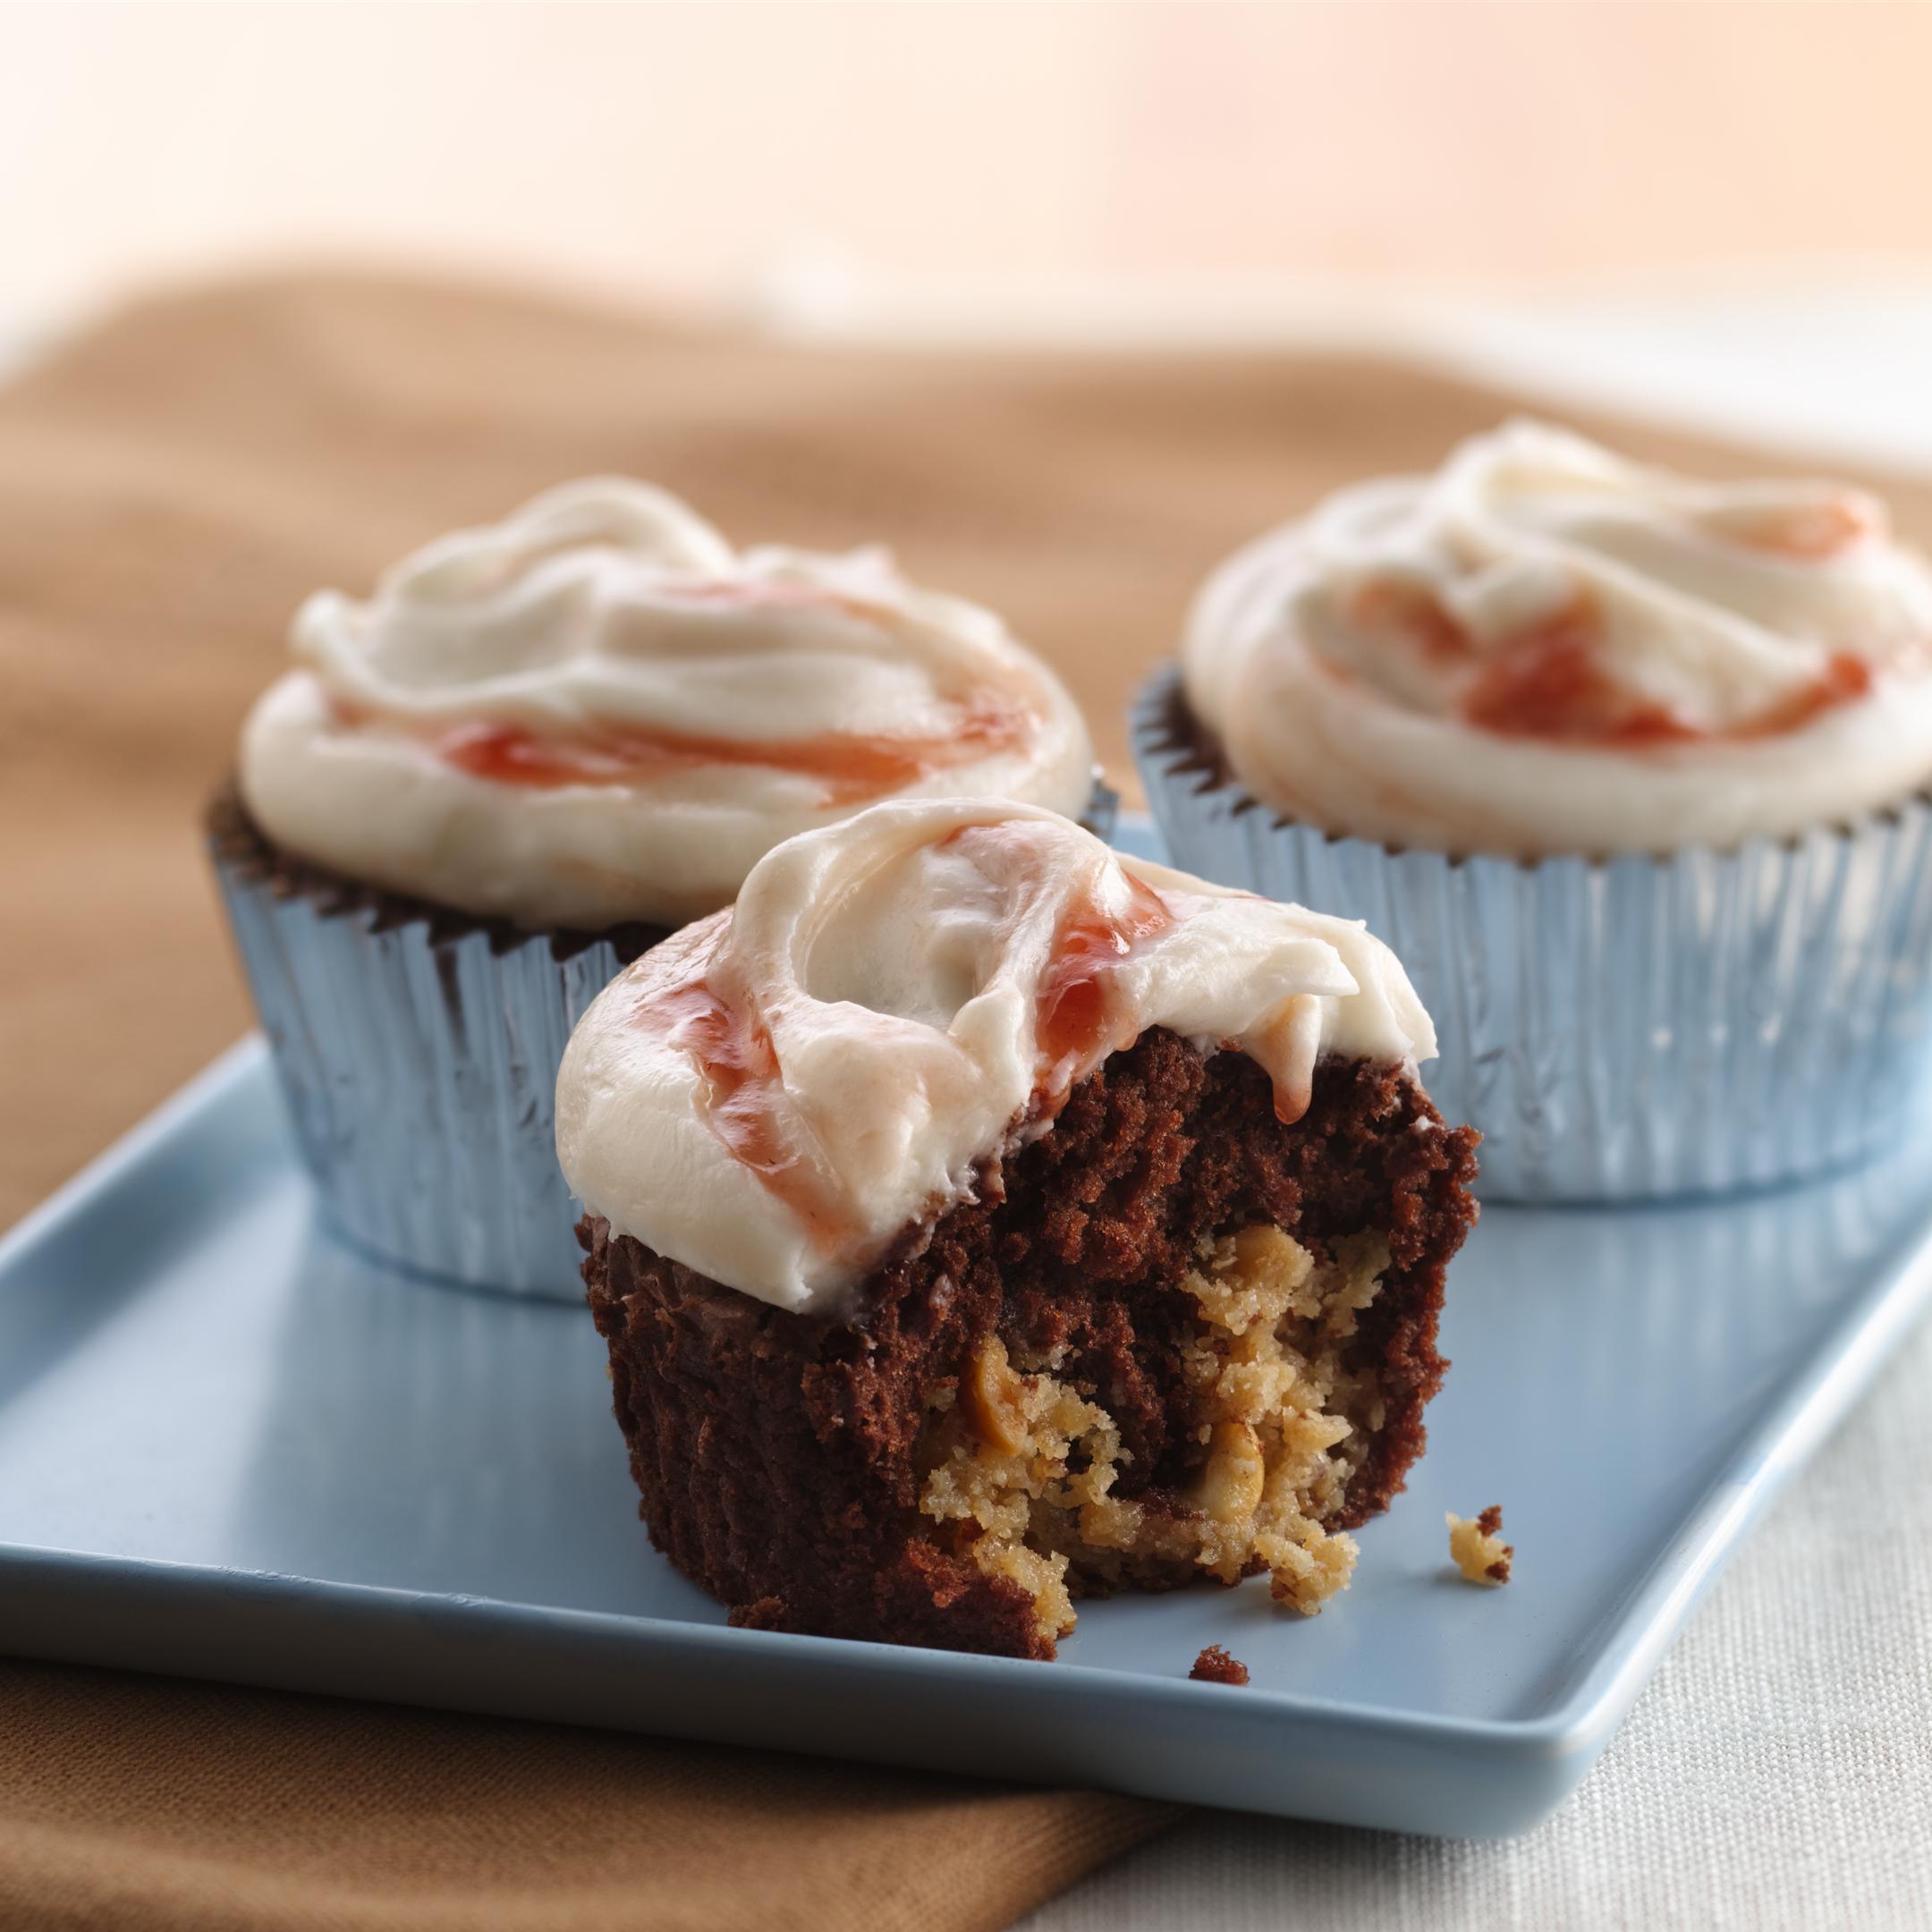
(979, 1219)
(536, 750)
(1630, 768)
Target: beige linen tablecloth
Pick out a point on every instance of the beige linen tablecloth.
(170, 487)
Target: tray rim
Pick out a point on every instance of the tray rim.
(1560, 1742)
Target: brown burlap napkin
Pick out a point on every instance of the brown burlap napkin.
(169, 488)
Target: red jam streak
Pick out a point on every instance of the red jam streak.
(1077, 1015)
(1547, 682)
(1810, 533)
(1846, 677)
(1411, 611)
(731, 1048)
(1078, 1020)
(848, 768)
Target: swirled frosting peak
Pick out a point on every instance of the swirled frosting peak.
(597, 711)
(1546, 649)
(775, 1094)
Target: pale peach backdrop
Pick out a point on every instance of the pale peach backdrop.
(688, 148)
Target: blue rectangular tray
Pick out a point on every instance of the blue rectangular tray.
(232, 1448)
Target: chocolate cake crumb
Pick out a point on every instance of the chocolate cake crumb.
(782, 1458)
(769, 1613)
(1476, 1544)
(1214, 1666)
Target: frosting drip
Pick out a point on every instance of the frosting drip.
(1545, 648)
(598, 711)
(773, 1094)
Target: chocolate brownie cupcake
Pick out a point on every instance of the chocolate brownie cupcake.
(979, 1219)
(1630, 769)
(535, 750)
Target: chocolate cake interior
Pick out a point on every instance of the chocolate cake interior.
(1172, 1339)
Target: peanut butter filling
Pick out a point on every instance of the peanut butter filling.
(1022, 1467)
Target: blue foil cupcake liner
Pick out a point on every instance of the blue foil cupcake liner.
(1102, 809)
(1621, 1029)
(421, 1070)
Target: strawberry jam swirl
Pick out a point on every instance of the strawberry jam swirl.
(1080, 1015)
(599, 712)
(741, 1096)
(1551, 680)
(1544, 648)
(843, 768)
(776, 1095)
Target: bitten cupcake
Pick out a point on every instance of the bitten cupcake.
(1632, 770)
(535, 750)
(979, 1219)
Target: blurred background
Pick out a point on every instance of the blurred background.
(1673, 204)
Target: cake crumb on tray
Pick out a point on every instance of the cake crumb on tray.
(1476, 1544)
(1214, 1666)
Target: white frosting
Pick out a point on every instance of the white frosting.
(903, 968)
(709, 704)
(1716, 662)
